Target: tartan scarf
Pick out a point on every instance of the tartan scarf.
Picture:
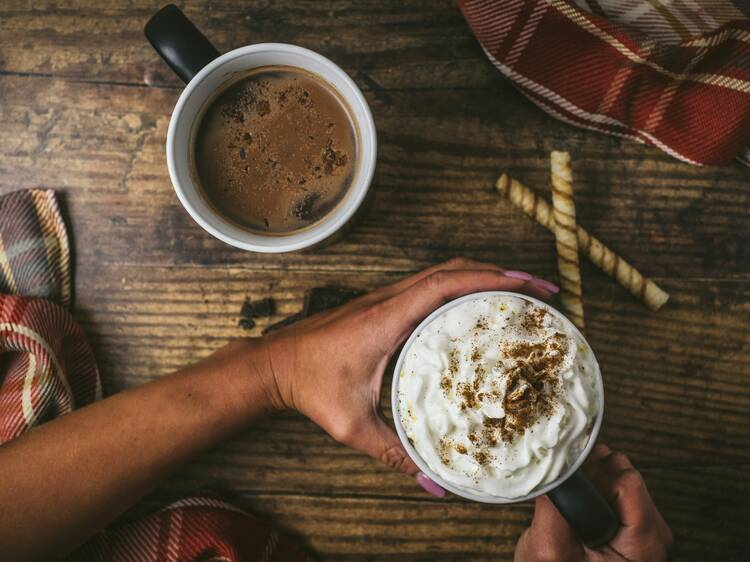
(672, 74)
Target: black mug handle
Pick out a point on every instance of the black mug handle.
(184, 48)
(587, 511)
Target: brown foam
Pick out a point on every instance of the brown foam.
(275, 150)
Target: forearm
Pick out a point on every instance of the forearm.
(63, 481)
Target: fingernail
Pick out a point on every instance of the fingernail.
(546, 285)
(429, 486)
(518, 275)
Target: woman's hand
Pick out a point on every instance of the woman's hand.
(330, 367)
(643, 535)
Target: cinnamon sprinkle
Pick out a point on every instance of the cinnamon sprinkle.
(446, 384)
(482, 457)
(453, 361)
(479, 375)
(532, 389)
(469, 395)
(533, 320)
(444, 451)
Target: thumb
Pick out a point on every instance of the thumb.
(549, 537)
(379, 441)
(406, 309)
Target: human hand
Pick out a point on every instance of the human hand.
(643, 535)
(330, 366)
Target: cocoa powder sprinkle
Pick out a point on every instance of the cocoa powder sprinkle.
(475, 355)
(532, 388)
(534, 319)
(482, 457)
(453, 361)
(444, 451)
(469, 395)
(446, 384)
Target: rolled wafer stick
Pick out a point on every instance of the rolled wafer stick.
(601, 256)
(566, 239)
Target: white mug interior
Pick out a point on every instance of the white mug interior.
(188, 109)
(414, 455)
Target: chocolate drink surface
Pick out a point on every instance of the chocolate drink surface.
(276, 150)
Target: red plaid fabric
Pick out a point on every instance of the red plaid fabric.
(671, 74)
(34, 250)
(200, 528)
(47, 369)
(40, 344)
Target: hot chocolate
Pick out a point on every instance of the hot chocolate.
(275, 150)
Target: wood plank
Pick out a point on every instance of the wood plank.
(384, 45)
(440, 153)
(421, 530)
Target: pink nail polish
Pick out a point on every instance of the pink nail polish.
(429, 486)
(546, 285)
(522, 275)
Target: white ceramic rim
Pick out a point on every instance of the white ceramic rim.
(423, 465)
(310, 236)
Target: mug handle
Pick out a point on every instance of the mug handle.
(182, 46)
(587, 511)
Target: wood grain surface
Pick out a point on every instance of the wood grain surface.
(84, 107)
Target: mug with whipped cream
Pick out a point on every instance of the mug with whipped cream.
(498, 398)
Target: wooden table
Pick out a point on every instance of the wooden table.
(84, 108)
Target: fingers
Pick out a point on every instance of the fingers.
(550, 537)
(387, 291)
(430, 486)
(640, 517)
(631, 498)
(538, 287)
(530, 285)
(599, 451)
(454, 264)
(450, 265)
(379, 441)
(409, 307)
(424, 296)
(625, 488)
(604, 466)
(549, 521)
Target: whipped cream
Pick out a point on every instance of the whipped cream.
(498, 396)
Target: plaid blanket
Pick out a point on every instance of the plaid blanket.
(199, 528)
(39, 340)
(672, 74)
(34, 251)
(47, 369)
